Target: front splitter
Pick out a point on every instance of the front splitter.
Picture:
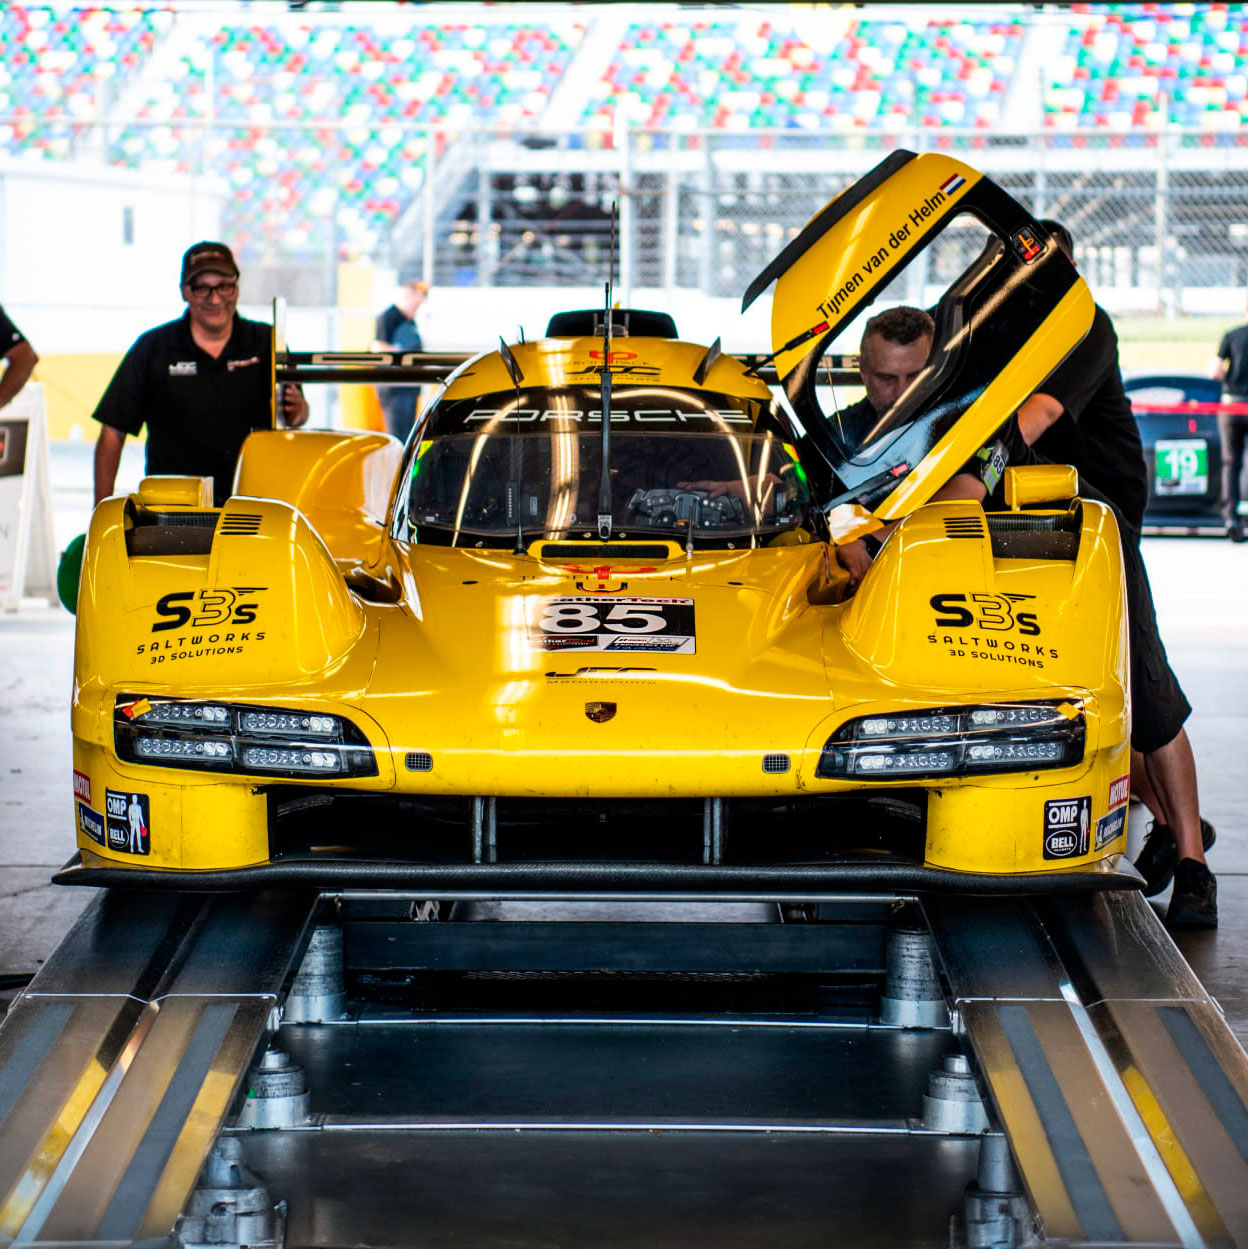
(607, 879)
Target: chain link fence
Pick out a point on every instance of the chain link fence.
(1160, 219)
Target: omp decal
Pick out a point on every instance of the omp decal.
(1119, 791)
(634, 624)
(82, 786)
(129, 822)
(219, 605)
(91, 822)
(1067, 822)
(1108, 827)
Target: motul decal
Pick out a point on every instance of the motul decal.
(1119, 791)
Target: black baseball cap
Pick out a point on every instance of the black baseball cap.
(208, 258)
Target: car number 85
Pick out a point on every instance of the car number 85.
(588, 618)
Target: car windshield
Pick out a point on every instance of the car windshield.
(696, 485)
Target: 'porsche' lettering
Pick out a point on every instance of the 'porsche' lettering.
(643, 416)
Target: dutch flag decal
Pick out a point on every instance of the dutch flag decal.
(954, 183)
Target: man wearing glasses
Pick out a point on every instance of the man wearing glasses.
(200, 384)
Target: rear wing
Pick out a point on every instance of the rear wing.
(415, 368)
(400, 368)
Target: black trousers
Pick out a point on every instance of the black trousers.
(1159, 708)
(1232, 427)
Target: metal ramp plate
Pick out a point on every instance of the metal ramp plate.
(1122, 1090)
(119, 1063)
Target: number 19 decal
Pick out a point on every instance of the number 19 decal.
(661, 625)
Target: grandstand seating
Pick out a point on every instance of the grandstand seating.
(318, 118)
(317, 125)
(1151, 65)
(759, 71)
(58, 67)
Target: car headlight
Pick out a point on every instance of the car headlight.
(231, 737)
(956, 741)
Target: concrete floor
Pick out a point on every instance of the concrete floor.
(1200, 586)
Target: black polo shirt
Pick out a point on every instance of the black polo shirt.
(10, 335)
(198, 409)
(1097, 432)
(1234, 350)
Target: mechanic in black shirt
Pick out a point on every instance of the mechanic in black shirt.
(19, 359)
(1230, 367)
(201, 384)
(893, 351)
(396, 331)
(1081, 416)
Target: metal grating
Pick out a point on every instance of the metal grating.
(418, 761)
(189, 520)
(776, 763)
(964, 527)
(238, 524)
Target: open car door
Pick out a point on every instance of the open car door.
(1008, 307)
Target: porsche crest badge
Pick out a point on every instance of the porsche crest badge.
(600, 713)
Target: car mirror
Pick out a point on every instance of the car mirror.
(1029, 484)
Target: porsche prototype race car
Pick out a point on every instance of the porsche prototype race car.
(589, 629)
(1178, 418)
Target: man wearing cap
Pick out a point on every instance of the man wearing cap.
(200, 384)
(396, 331)
(1230, 367)
(19, 359)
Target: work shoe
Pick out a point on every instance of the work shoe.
(1160, 854)
(1194, 902)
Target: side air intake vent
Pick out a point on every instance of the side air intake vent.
(964, 527)
(189, 520)
(238, 524)
(776, 763)
(1035, 537)
(418, 761)
(170, 533)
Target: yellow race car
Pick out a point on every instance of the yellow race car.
(538, 649)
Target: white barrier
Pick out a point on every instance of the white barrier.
(28, 554)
